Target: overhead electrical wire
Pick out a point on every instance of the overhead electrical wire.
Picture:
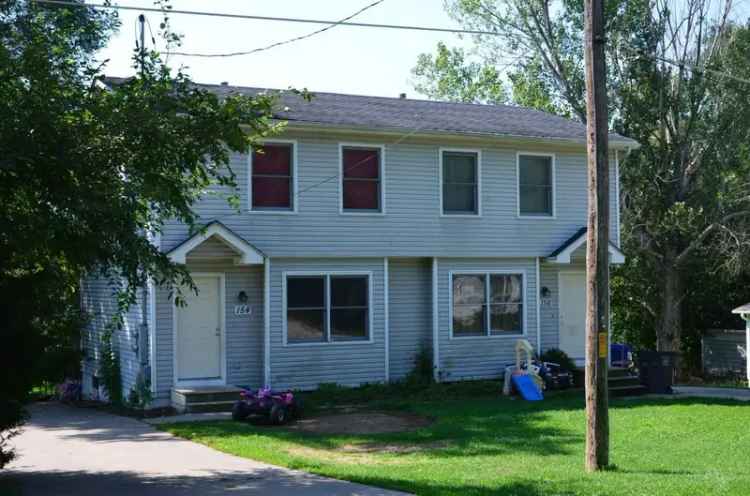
(330, 24)
(70, 3)
(278, 43)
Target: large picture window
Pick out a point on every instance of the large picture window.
(487, 304)
(361, 179)
(272, 177)
(536, 195)
(460, 182)
(327, 308)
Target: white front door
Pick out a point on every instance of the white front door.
(573, 315)
(199, 332)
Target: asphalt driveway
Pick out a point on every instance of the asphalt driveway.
(75, 451)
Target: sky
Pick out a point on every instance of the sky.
(364, 61)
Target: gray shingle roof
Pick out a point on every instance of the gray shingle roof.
(424, 116)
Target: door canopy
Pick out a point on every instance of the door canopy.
(247, 254)
(563, 254)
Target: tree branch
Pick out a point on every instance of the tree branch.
(706, 232)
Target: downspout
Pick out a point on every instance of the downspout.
(150, 300)
(386, 320)
(617, 195)
(267, 322)
(435, 323)
(538, 308)
(746, 317)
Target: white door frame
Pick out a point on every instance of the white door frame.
(559, 308)
(560, 273)
(223, 340)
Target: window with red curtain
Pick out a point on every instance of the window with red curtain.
(272, 177)
(361, 179)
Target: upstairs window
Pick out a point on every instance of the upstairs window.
(361, 179)
(487, 304)
(327, 308)
(536, 195)
(272, 177)
(460, 178)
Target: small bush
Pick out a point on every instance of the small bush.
(558, 356)
(422, 371)
(12, 417)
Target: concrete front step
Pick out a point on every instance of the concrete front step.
(631, 380)
(205, 399)
(619, 391)
(618, 372)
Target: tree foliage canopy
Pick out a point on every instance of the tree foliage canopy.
(678, 82)
(89, 171)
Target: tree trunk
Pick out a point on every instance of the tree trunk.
(669, 332)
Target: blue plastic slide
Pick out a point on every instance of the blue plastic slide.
(527, 388)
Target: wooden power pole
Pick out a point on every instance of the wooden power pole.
(597, 253)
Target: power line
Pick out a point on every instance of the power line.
(69, 3)
(330, 23)
(352, 167)
(279, 43)
(682, 64)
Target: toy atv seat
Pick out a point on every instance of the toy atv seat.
(278, 407)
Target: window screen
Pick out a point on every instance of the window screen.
(361, 179)
(272, 177)
(535, 185)
(306, 309)
(460, 183)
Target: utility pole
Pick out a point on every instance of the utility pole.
(142, 47)
(597, 249)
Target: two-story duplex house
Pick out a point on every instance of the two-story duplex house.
(371, 229)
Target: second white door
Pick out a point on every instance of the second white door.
(573, 315)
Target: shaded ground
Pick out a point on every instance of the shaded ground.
(73, 451)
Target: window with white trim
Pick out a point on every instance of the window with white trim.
(272, 178)
(487, 304)
(327, 308)
(361, 179)
(460, 173)
(535, 185)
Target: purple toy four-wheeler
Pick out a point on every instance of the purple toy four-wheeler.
(279, 407)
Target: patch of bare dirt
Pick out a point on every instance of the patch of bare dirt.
(361, 423)
(398, 449)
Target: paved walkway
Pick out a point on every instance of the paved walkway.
(713, 392)
(83, 452)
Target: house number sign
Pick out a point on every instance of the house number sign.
(243, 310)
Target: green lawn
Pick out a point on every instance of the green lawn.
(481, 444)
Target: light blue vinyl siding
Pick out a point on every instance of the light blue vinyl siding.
(410, 312)
(99, 302)
(244, 333)
(549, 311)
(484, 356)
(412, 226)
(305, 366)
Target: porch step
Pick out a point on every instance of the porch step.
(619, 391)
(623, 383)
(205, 399)
(617, 372)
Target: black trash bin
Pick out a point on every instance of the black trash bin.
(656, 370)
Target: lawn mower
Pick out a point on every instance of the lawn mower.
(278, 407)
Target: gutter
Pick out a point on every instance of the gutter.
(436, 134)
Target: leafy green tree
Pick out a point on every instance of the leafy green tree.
(449, 76)
(686, 199)
(87, 172)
